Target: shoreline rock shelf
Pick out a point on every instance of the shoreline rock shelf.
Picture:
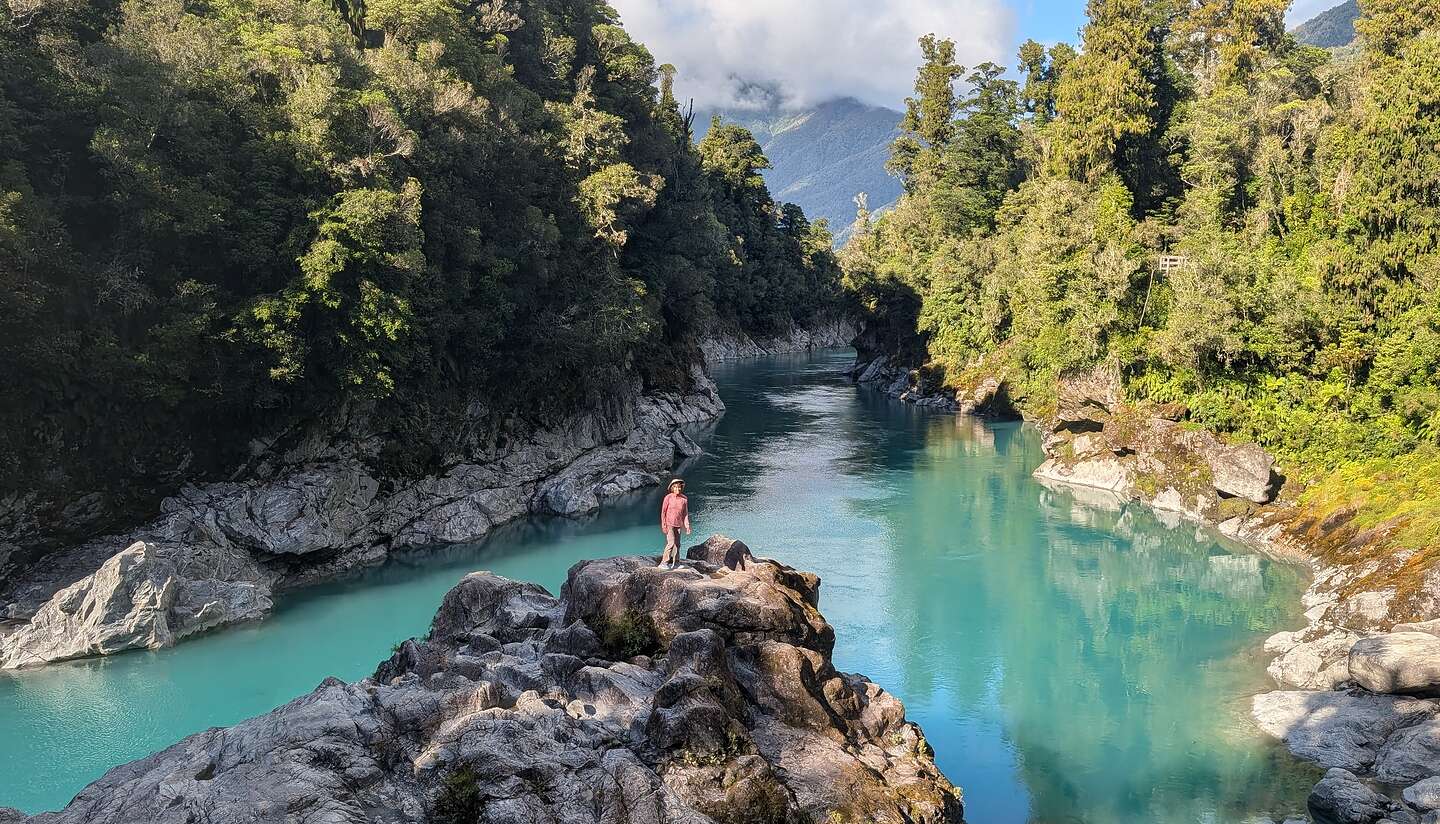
(639, 696)
(221, 552)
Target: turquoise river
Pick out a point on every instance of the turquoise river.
(1070, 659)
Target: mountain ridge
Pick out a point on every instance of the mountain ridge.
(822, 156)
(1330, 29)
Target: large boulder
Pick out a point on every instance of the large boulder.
(1318, 663)
(1241, 471)
(1411, 754)
(1400, 663)
(721, 551)
(1341, 798)
(144, 597)
(1423, 795)
(519, 707)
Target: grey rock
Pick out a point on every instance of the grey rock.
(717, 726)
(1402, 663)
(142, 598)
(736, 345)
(1411, 754)
(1108, 473)
(1241, 471)
(1341, 798)
(721, 551)
(1337, 729)
(1320, 663)
(1423, 795)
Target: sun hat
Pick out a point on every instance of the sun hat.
(674, 481)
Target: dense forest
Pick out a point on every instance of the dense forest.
(1293, 194)
(222, 217)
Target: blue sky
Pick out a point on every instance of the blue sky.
(816, 50)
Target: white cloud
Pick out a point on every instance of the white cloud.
(811, 50)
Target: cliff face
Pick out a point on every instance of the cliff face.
(220, 552)
(704, 694)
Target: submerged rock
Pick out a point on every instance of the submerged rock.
(1402, 663)
(641, 695)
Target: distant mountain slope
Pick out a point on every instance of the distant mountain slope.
(1330, 29)
(823, 156)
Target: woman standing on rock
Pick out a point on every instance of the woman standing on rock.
(674, 516)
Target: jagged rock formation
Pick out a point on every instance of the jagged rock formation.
(219, 552)
(1095, 439)
(639, 696)
(722, 347)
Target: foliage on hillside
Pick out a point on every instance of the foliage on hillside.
(1298, 191)
(1332, 28)
(221, 216)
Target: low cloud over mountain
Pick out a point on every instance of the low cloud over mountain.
(744, 52)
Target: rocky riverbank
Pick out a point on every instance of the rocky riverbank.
(639, 696)
(1356, 680)
(739, 346)
(219, 553)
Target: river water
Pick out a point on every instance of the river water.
(1070, 660)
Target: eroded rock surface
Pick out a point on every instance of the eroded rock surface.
(220, 552)
(641, 695)
(1339, 729)
(1096, 439)
(738, 346)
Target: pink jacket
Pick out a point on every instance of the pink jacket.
(675, 512)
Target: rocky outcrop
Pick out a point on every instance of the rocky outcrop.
(220, 552)
(736, 345)
(1098, 440)
(640, 696)
(983, 394)
(1341, 798)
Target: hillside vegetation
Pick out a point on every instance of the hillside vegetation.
(1296, 193)
(1331, 28)
(221, 217)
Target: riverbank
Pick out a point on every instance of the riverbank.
(639, 695)
(945, 565)
(220, 553)
(1349, 678)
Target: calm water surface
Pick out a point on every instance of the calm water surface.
(1070, 660)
